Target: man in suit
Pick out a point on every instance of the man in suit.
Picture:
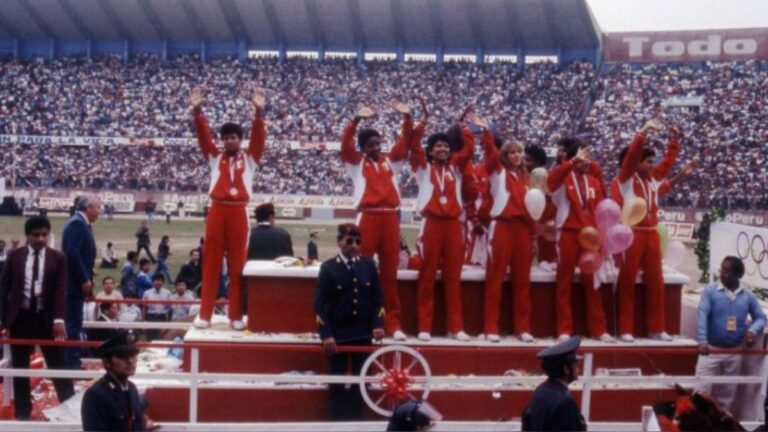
(79, 245)
(348, 311)
(33, 295)
(267, 241)
(113, 403)
(191, 272)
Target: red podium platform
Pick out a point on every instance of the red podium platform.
(281, 300)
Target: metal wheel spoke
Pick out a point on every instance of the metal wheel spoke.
(398, 360)
(383, 396)
(381, 367)
(414, 362)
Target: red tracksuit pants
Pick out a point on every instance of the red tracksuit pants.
(226, 230)
(381, 236)
(441, 243)
(645, 254)
(569, 252)
(510, 247)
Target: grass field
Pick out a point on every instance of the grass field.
(185, 235)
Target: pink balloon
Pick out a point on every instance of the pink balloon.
(590, 262)
(619, 239)
(675, 253)
(607, 214)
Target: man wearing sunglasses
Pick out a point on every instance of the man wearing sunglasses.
(348, 311)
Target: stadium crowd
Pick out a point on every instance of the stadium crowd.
(147, 98)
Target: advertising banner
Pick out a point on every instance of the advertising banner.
(685, 46)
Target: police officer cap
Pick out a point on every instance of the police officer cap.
(123, 345)
(563, 352)
(411, 415)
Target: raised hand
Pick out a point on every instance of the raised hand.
(424, 110)
(196, 97)
(259, 98)
(470, 108)
(651, 125)
(401, 107)
(690, 167)
(477, 120)
(582, 154)
(675, 133)
(365, 112)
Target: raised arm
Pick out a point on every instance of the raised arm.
(258, 134)
(418, 154)
(685, 172)
(463, 156)
(400, 150)
(635, 153)
(557, 176)
(664, 167)
(349, 153)
(202, 132)
(491, 157)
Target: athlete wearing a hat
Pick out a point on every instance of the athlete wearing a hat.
(552, 408)
(112, 403)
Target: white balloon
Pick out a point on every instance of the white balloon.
(675, 253)
(535, 201)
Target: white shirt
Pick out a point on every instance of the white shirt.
(153, 294)
(731, 294)
(181, 311)
(28, 272)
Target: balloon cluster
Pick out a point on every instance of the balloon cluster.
(395, 384)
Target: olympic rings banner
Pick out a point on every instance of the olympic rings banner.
(746, 242)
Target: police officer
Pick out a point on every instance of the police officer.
(112, 403)
(552, 408)
(348, 310)
(413, 415)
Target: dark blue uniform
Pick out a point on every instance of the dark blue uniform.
(348, 307)
(552, 409)
(108, 407)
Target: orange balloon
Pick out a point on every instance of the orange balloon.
(634, 211)
(589, 239)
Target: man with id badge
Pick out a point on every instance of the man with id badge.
(722, 325)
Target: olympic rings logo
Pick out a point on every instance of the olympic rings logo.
(753, 251)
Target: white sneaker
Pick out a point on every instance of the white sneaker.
(462, 336)
(606, 338)
(492, 337)
(628, 338)
(398, 335)
(237, 325)
(663, 336)
(424, 336)
(201, 323)
(563, 337)
(526, 337)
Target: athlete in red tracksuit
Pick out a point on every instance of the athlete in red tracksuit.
(510, 237)
(575, 193)
(439, 176)
(639, 178)
(377, 198)
(478, 206)
(227, 226)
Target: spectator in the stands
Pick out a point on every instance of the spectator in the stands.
(156, 312)
(268, 241)
(108, 292)
(143, 278)
(108, 259)
(180, 312)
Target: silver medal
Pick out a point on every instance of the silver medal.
(443, 200)
(233, 191)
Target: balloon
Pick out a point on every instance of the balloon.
(619, 239)
(675, 253)
(663, 235)
(535, 203)
(634, 211)
(590, 262)
(589, 239)
(607, 214)
(539, 179)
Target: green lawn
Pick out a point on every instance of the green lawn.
(185, 235)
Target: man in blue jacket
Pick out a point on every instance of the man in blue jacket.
(348, 311)
(723, 325)
(79, 245)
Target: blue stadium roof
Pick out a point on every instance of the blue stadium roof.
(333, 25)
